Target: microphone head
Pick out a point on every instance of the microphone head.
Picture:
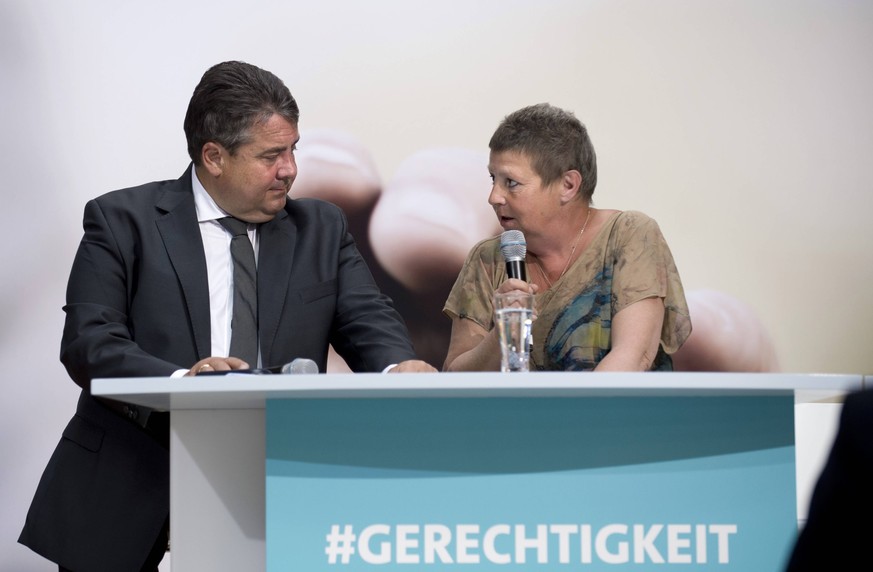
(513, 245)
(300, 365)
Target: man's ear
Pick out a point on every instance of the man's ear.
(212, 157)
(571, 182)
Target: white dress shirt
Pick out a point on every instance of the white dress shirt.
(219, 269)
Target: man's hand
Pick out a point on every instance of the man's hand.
(217, 364)
(413, 366)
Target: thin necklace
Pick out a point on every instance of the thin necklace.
(569, 258)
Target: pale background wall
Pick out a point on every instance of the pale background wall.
(744, 127)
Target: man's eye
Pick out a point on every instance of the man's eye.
(511, 184)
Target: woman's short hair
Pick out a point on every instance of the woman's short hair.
(553, 139)
(231, 98)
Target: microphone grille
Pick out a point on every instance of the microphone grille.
(300, 365)
(513, 245)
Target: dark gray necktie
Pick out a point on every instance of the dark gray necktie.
(244, 323)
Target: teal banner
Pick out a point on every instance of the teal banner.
(594, 483)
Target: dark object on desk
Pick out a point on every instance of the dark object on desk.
(838, 529)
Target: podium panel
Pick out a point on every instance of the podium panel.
(642, 483)
(631, 468)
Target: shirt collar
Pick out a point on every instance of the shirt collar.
(206, 207)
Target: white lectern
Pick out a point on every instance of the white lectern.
(218, 432)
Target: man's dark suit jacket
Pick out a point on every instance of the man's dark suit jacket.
(838, 529)
(138, 306)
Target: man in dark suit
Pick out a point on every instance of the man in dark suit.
(151, 294)
(838, 527)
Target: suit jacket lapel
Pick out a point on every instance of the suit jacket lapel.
(181, 235)
(277, 240)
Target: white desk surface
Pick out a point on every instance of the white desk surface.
(246, 391)
(218, 491)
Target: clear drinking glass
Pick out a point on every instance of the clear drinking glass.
(513, 316)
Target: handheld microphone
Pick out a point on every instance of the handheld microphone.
(300, 365)
(297, 365)
(514, 249)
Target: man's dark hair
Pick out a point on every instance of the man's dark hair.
(231, 98)
(553, 139)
